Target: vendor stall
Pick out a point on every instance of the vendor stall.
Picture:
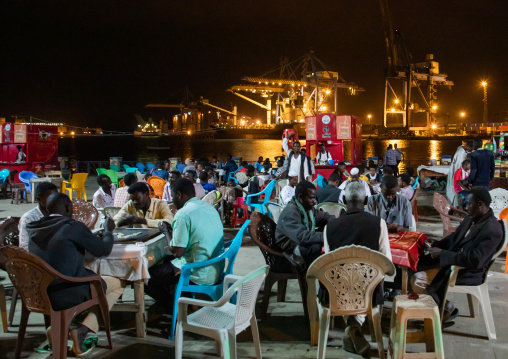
(333, 131)
(38, 143)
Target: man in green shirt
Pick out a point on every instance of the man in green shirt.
(197, 236)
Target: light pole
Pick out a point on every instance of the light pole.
(485, 107)
(370, 128)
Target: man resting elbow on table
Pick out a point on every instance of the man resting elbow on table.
(141, 211)
(62, 242)
(394, 208)
(197, 236)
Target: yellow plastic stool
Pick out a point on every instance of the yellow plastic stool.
(422, 308)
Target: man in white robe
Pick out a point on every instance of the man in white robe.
(459, 156)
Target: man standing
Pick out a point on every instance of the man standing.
(105, 195)
(394, 208)
(296, 234)
(482, 165)
(298, 165)
(20, 157)
(166, 194)
(42, 192)
(359, 228)
(459, 157)
(323, 157)
(62, 242)
(399, 156)
(391, 158)
(122, 194)
(471, 246)
(197, 236)
(330, 192)
(142, 211)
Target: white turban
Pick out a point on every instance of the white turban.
(354, 171)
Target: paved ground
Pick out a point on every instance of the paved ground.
(285, 333)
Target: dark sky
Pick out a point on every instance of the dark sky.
(97, 63)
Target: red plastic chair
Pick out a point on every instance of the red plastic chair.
(235, 221)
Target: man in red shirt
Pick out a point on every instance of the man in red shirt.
(460, 184)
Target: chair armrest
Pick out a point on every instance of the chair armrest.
(230, 279)
(254, 194)
(188, 266)
(66, 182)
(453, 275)
(227, 244)
(89, 279)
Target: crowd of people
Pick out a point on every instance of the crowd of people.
(377, 201)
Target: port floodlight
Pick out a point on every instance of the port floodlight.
(434, 107)
(396, 100)
(433, 127)
(462, 114)
(484, 83)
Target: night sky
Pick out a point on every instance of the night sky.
(97, 63)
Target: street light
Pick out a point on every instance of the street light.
(370, 128)
(485, 107)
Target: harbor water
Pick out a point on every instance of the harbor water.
(99, 148)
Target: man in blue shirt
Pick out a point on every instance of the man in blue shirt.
(203, 180)
(196, 235)
(229, 167)
(160, 172)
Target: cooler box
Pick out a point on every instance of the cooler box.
(446, 160)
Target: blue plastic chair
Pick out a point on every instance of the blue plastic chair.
(141, 167)
(213, 291)
(150, 166)
(232, 175)
(416, 182)
(4, 174)
(115, 168)
(131, 169)
(321, 182)
(267, 192)
(125, 167)
(25, 177)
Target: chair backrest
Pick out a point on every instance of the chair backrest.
(211, 197)
(499, 200)
(150, 166)
(320, 181)
(268, 191)
(262, 231)
(140, 175)
(4, 174)
(350, 274)
(275, 210)
(101, 171)
(111, 211)
(140, 166)
(241, 176)
(125, 167)
(131, 169)
(31, 277)
(25, 177)
(413, 199)
(85, 212)
(112, 175)
(9, 232)
(122, 183)
(332, 208)
(78, 180)
(232, 251)
(504, 214)
(114, 168)
(247, 289)
(415, 185)
(157, 184)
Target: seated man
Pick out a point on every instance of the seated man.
(296, 234)
(42, 192)
(380, 168)
(105, 195)
(405, 186)
(252, 183)
(471, 246)
(142, 211)
(359, 228)
(288, 192)
(330, 192)
(200, 191)
(62, 242)
(198, 235)
(342, 172)
(159, 171)
(460, 182)
(166, 194)
(122, 194)
(203, 178)
(394, 208)
(266, 169)
(373, 176)
(211, 176)
(355, 177)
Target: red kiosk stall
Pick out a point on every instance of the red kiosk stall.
(333, 131)
(38, 142)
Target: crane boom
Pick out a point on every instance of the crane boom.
(391, 50)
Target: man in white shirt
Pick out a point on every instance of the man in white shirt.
(42, 192)
(296, 164)
(357, 227)
(323, 157)
(288, 192)
(355, 177)
(105, 195)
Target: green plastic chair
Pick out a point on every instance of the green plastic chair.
(113, 176)
(101, 171)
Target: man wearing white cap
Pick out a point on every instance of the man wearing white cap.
(355, 177)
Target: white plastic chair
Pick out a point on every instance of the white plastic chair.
(281, 183)
(275, 210)
(222, 320)
(332, 208)
(350, 275)
(479, 293)
(499, 200)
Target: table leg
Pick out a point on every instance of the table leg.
(139, 299)
(404, 279)
(33, 192)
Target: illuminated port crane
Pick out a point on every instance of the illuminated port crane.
(402, 75)
(301, 88)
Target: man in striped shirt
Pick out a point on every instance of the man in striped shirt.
(122, 196)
